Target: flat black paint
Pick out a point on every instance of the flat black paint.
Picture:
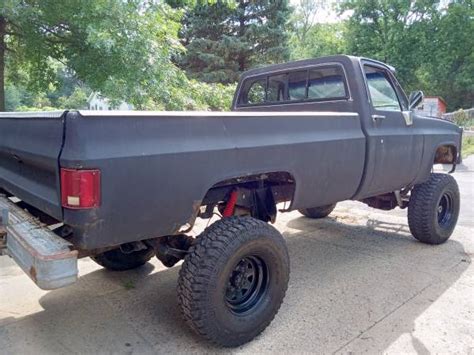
(156, 167)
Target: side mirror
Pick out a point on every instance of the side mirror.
(415, 99)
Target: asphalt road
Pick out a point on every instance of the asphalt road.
(359, 283)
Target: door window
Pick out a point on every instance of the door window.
(382, 93)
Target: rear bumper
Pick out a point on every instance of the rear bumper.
(45, 257)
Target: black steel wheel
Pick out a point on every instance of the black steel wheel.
(433, 209)
(247, 284)
(233, 280)
(445, 210)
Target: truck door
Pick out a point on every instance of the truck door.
(395, 149)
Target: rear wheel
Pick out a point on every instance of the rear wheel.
(233, 280)
(433, 209)
(117, 260)
(317, 212)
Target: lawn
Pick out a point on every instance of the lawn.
(467, 146)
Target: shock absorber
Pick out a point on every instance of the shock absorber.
(230, 206)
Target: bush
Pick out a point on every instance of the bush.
(197, 96)
(461, 118)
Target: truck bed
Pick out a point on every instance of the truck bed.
(156, 167)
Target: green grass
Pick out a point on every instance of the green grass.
(467, 146)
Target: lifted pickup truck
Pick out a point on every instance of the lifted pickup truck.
(122, 187)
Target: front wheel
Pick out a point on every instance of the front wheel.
(433, 209)
(233, 280)
(317, 212)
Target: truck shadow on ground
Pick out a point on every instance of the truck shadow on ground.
(344, 280)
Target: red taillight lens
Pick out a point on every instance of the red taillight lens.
(80, 188)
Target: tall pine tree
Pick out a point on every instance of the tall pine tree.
(225, 38)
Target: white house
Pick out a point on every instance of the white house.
(98, 102)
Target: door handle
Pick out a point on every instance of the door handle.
(376, 118)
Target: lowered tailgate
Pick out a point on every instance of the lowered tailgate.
(30, 144)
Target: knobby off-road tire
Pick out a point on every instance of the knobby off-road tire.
(233, 280)
(317, 212)
(433, 209)
(117, 260)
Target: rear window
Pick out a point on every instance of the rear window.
(326, 83)
(297, 85)
(313, 84)
(255, 91)
(276, 88)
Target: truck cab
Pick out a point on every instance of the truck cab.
(396, 136)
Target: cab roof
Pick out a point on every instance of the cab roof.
(308, 62)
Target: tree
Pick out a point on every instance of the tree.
(77, 100)
(120, 48)
(304, 17)
(228, 37)
(310, 39)
(429, 43)
(321, 39)
(391, 31)
(3, 49)
(450, 59)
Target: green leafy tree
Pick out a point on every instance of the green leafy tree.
(304, 18)
(395, 32)
(226, 38)
(13, 97)
(449, 69)
(429, 43)
(321, 39)
(120, 48)
(76, 101)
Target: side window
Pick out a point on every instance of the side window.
(254, 91)
(326, 83)
(297, 85)
(276, 90)
(382, 93)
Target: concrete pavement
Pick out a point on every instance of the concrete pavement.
(359, 283)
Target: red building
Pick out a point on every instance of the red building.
(432, 106)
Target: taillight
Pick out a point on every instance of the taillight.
(80, 188)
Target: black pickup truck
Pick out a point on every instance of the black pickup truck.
(122, 187)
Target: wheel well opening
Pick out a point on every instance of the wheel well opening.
(255, 195)
(445, 154)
